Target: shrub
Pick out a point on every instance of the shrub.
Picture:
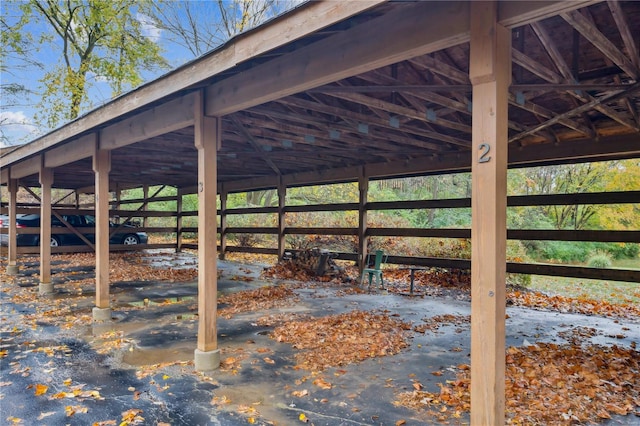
(599, 259)
(623, 250)
(563, 251)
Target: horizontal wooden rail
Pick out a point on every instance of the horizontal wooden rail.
(251, 230)
(91, 212)
(512, 234)
(419, 232)
(321, 231)
(515, 234)
(256, 250)
(571, 235)
(420, 204)
(610, 274)
(87, 249)
(322, 208)
(614, 197)
(85, 230)
(251, 210)
(143, 200)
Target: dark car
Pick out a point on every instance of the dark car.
(126, 235)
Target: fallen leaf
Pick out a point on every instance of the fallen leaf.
(41, 389)
(45, 415)
(321, 383)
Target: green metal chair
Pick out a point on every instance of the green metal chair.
(376, 272)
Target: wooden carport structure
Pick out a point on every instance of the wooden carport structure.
(350, 91)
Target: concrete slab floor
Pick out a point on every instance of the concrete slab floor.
(143, 359)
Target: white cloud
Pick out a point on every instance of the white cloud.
(149, 29)
(16, 127)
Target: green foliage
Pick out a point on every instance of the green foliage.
(347, 243)
(456, 185)
(625, 176)
(600, 259)
(581, 178)
(104, 38)
(251, 220)
(18, 49)
(563, 251)
(323, 194)
(579, 252)
(623, 250)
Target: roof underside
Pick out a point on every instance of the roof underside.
(416, 111)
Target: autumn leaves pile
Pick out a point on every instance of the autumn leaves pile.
(574, 382)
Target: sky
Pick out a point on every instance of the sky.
(16, 115)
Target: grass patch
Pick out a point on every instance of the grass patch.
(611, 291)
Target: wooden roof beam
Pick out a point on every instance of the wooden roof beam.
(585, 107)
(339, 112)
(382, 141)
(449, 71)
(589, 31)
(543, 112)
(607, 148)
(447, 102)
(548, 44)
(375, 103)
(255, 144)
(297, 23)
(616, 77)
(625, 32)
(427, 27)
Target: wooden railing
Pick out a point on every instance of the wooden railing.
(620, 236)
(626, 236)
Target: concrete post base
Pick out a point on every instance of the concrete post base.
(101, 314)
(13, 269)
(45, 288)
(207, 361)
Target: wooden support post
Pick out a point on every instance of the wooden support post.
(207, 137)
(179, 209)
(223, 223)
(12, 267)
(282, 202)
(101, 168)
(490, 74)
(118, 198)
(145, 207)
(46, 180)
(77, 199)
(363, 189)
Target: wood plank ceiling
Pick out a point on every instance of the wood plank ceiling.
(575, 78)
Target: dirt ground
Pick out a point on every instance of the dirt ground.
(58, 367)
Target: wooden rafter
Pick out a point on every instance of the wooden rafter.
(589, 31)
(379, 122)
(458, 76)
(592, 104)
(398, 109)
(623, 28)
(548, 43)
(252, 141)
(625, 32)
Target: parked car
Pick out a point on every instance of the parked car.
(126, 235)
